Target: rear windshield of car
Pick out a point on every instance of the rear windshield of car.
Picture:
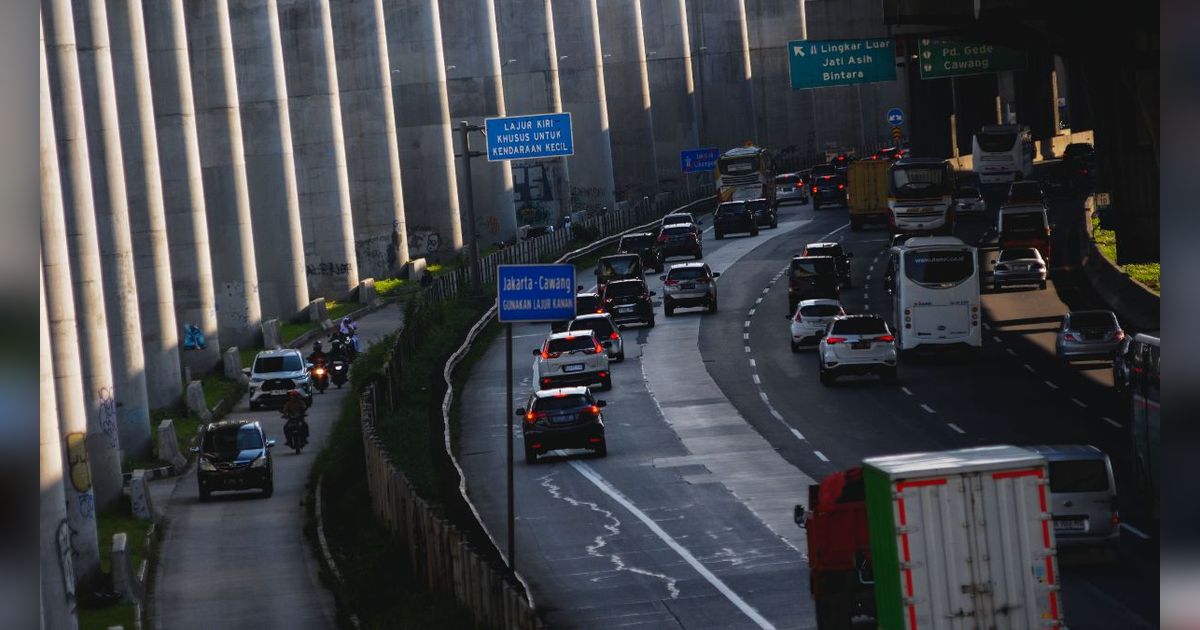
(820, 310)
(678, 230)
(285, 363)
(677, 218)
(1087, 475)
(731, 209)
(787, 179)
(757, 204)
(1093, 320)
(623, 288)
(557, 403)
(824, 169)
(834, 251)
(812, 267)
(938, 267)
(1019, 253)
(637, 242)
(686, 273)
(1077, 150)
(587, 304)
(967, 192)
(599, 325)
(1024, 222)
(619, 266)
(567, 344)
(996, 142)
(232, 439)
(1025, 191)
(860, 326)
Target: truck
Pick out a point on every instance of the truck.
(867, 183)
(949, 539)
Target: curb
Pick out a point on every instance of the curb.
(1132, 301)
(324, 544)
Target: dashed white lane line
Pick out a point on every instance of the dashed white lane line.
(1112, 422)
(799, 436)
(1135, 531)
(871, 268)
(906, 390)
(778, 416)
(927, 408)
(986, 326)
(996, 339)
(746, 336)
(1079, 402)
(746, 323)
(1028, 368)
(955, 427)
(747, 349)
(687, 556)
(866, 297)
(1050, 384)
(751, 313)
(758, 301)
(866, 287)
(866, 307)
(756, 380)
(1011, 351)
(752, 363)
(763, 396)
(821, 456)
(766, 290)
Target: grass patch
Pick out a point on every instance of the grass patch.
(119, 519)
(336, 310)
(102, 618)
(217, 388)
(1106, 242)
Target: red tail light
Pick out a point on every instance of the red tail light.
(692, 235)
(532, 416)
(1070, 337)
(814, 189)
(670, 283)
(1116, 518)
(599, 348)
(614, 335)
(887, 338)
(833, 340)
(1118, 335)
(603, 374)
(841, 186)
(798, 318)
(662, 238)
(1083, 171)
(594, 410)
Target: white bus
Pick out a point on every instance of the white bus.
(934, 282)
(746, 167)
(1002, 153)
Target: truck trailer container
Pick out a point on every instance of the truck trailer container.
(867, 183)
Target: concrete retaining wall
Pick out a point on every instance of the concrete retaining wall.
(1134, 303)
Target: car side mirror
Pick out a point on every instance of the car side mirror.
(537, 351)
(194, 449)
(246, 371)
(798, 515)
(601, 403)
(716, 274)
(520, 411)
(270, 443)
(663, 277)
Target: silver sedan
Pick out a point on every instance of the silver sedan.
(1089, 334)
(1019, 265)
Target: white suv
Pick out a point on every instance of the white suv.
(811, 319)
(857, 344)
(270, 374)
(571, 358)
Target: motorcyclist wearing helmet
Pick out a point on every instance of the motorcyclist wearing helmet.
(318, 356)
(294, 410)
(349, 331)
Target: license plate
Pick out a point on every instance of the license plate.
(1021, 267)
(574, 367)
(861, 345)
(624, 309)
(688, 285)
(1073, 524)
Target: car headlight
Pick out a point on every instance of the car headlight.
(259, 462)
(206, 465)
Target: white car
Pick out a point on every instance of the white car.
(571, 358)
(857, 344)
(810, 320)
(1018, 265)
(606, 331)
(274, 373)
(790, 187)
(967, 200)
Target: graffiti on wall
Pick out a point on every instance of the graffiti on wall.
(66, 554)
(77, 462)
(107, 410)
(588, 199)
(535, 191)
(380, 253)
(423, 241)
(328, 269)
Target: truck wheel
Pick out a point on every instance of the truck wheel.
(719, 235)
(754, 232)
(833, 612)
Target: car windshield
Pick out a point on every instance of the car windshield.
(824, 250)
(1086, 475)
(1018, 253)
(574, 342)
(622, 289)
(560, 402)
(967, 192)
(677, 218)
(787, 179)
(1024, 222)
(757, 205)
(996, 142)
(820, 310)
(811, 267)
(1093, 320)
(284, 363)
(587, 303)
(599, 325)
(232, 439)
(641, 241)
(677, 230)
(686, 273)
(859, 326)
(1025, 191)
(823, 170)
(918, 179)
(1077, 150)
(624, 266)
(729, 209)
(938, 266)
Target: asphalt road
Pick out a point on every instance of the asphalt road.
(715, 457)
(241, 561)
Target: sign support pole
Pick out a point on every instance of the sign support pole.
(508, 414)
(472, 237)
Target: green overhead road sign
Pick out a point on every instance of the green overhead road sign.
(830, 62)
(944, 59)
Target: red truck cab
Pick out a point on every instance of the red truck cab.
(1025, 225)
(839, 548)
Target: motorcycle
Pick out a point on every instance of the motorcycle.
(343, 345)
(320, 377)
(295, 431)
(338, 372)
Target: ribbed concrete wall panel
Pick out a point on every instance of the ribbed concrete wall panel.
(672, 91)
(627, 88)
(719, 59)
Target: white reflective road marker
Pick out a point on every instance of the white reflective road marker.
(799, 436)
(687, 556)
(1011, 352)
(821, 456)
(1050, 385)
(752, 364)
(927, 408)
(746, 323)
(955, 427)
(1135, 531)
(778, 416)
(906, 390)
(1079, 402)
(1112, 422)
(1028, 367)
(756, 381)
(747, 349)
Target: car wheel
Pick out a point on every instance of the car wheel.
(530, 455)
(601, 448)
(205, 495)
(719, 235)
(1042, 284)
(268, 489)
(712, 306)
(253, 406)
(795, 347)
(606, 383)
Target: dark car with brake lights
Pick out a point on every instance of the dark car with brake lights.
(618, 267)
(811, 277)
(840, 256)
(828, 186)
(765, 215)
(644, 244)
(629, 302)
(679, 239)
(734, 216)
(585, 302)
(567, 417)
(234, 455)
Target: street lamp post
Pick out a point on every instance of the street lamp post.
(472, 237)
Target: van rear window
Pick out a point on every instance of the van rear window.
(820, 310)
(812, 267)
(1086, 475)
(581, 341)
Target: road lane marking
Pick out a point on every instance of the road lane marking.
(866, 307)
(746, 323)
(747, 349)
(687, 556)
(866, 297)
(872, 267)
(986, 326)
(1079, 402)
(756, 380)
(765, 290)
(927, 408)
(955, 427)
(1135, 531)
(1112, 422)
(758, 301)
(821, 456)
(1050, 385)
(778, 416)
(906, 390)
(763, 396)
(752, 364)
(1029, 367)
(1011, 352)
(996, 339)
(746, 336)
(799, 436)
(752, 312)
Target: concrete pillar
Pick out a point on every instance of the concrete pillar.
(77, 550)
(672, 90)
(473, 83)
(720, 57)
(57, 576)
(147, 218)
(78, 229)
(627, 88)
(223, 166)
(129, 401)
(783, 120)
(270, 161)
(423, 128)
(581, 75)
(369, 127)
(320, 151)
(529, 64)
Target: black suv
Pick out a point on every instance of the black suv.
(764, 213)
(234, 455)
(679, 239)
(643, 244)
(618, 267)
(734, 216)
(812, 277)
(585, 302)
(566, 417)
(840, 256)
(628, 301)
(828, 186)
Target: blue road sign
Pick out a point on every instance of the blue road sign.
(698, 160)
(895, 117)
(536, 293)
(830, 62)
(529, 137)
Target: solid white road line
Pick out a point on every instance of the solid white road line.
(798, 435)
(821, 456)
(1079, 402)
(1050, 385)
(906, 390)
(927, 408)
(955, 427)
(1112, 422)
(687, 556)
(1135, 531)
